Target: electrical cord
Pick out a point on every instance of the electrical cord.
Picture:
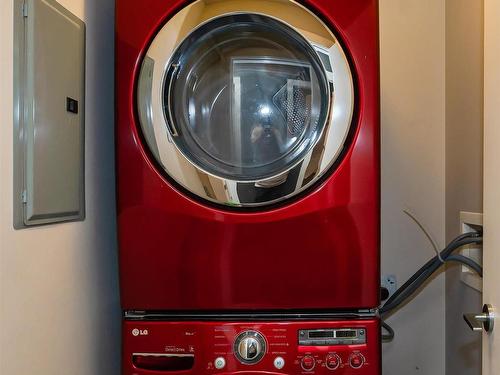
(422, 275)
(427, 234)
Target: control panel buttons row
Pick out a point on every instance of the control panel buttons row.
(333, 361)
(220, 363)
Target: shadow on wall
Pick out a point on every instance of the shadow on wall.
(100, 184)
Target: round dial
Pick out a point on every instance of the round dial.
(308, 363)
(332, 361)
(249, 347)
(356, 360)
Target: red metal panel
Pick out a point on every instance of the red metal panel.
(206, 341)
(319, 252)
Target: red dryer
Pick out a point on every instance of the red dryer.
(247, 139)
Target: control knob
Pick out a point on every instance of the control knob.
(332, 361)
(356, 360)
(308, 363)
(249, 347)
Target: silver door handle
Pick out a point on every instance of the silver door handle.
(485, 320)
(272, 182)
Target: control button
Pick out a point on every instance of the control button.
(279, 363)
(356, 360)
(332, 342)
(219, 363)
(332, 361)
(249, 347)
(308, 363)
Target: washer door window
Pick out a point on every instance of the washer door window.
(239, 107)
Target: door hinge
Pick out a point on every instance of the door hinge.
(24, 197)
(25, 9)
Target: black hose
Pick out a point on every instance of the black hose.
(456, 242)
(418, 279)
(427, 265)
(466, 261)
(389, 336)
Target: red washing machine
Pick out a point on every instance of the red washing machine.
(248, 186)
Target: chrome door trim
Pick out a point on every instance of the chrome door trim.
(159, 134)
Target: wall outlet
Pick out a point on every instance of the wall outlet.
(469, 222)
(390, 283)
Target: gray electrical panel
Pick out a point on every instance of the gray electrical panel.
(49, 106)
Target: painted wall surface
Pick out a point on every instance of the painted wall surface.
(464, 146)
(59, 305)
(59, 300)
(412, 53)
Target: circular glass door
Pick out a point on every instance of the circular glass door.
(239, 107)
(246, 96)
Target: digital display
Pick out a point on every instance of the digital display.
(346, 334)
(320, 334)
(332, 337)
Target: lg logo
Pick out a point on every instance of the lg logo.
(139, 332)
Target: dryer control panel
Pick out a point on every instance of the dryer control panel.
(271, 348)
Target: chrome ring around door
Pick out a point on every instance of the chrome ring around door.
(312, 149)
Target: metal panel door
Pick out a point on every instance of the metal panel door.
(51, 96)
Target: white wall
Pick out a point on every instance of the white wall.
(412, 41)
(59, 311)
